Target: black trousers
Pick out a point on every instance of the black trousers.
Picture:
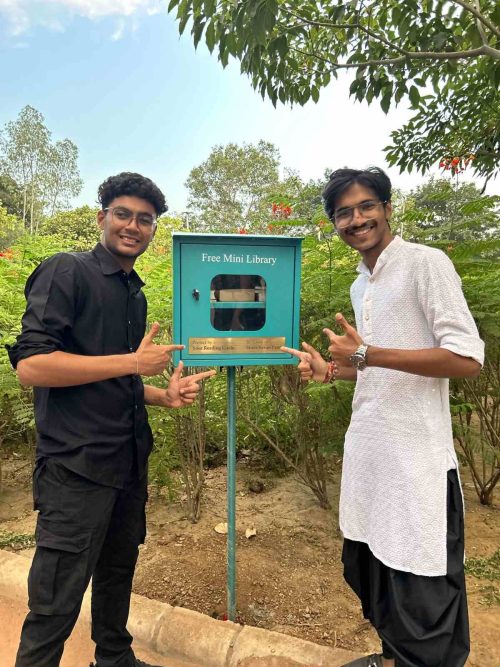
(422, 621)
(83, 530)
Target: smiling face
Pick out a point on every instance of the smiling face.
(128, 239)
(368, 231)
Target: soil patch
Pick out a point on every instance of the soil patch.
(289, 575)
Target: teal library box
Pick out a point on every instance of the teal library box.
(236, 298)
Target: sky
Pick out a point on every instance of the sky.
(115, 77)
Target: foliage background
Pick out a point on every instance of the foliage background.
(445, 213)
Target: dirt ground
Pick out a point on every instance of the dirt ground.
(289, 575)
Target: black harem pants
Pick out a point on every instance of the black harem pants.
(83, 530)
(422, 621)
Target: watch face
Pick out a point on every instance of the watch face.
(358, 359)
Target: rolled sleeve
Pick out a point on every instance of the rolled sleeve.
(442, 300)
(50, 309)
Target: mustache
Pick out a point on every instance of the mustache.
(357, 228)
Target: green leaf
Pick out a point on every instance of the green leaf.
(197, 31)
(414, 95)
(172, 4)
(210, 36)
(385, 103)
(281, 45)
(264, 21)
(209, 7)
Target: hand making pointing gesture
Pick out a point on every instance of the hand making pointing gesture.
(182, 391)
(342, 347)
(312, 366)
(152, 359)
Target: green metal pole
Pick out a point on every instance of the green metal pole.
(231, 493)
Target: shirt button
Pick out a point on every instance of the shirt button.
(371, 279)
(131, 348)
(136, 406)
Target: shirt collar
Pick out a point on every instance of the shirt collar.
(109, 265)
(383, 258)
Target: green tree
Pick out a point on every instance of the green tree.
(228, 191)
(439, 54)
(24, 144)
(78, 227)
(449, 123)
(446, 210)
(303, 198)
(47, 174)
(10, 229)
(62, 180)
(11, 195)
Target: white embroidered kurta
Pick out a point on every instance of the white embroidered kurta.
(399, 444)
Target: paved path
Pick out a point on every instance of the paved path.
(184, 637)
(79, 650)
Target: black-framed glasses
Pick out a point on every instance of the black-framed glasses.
(343, 216)
(125, 216)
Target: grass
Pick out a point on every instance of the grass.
(16, 540)
(484, 568)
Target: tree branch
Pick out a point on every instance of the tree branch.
(480, 17)
(346, 26)
(409, 55)
(453, 55)
(480, 26)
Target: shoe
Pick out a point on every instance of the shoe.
(372, 660)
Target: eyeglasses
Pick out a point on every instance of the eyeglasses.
(125, 216)
(343, 216)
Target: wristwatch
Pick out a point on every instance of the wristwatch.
(358, 359)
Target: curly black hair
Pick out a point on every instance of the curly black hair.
(133, 185)
(341, 179)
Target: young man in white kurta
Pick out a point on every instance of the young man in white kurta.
(400, 509)
(412, 299)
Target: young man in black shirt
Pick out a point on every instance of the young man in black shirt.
(84, 348)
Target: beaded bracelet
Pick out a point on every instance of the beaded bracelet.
(331, 372)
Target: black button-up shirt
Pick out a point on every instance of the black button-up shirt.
(84, 303)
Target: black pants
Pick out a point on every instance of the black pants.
(422, 621)
(83, 530)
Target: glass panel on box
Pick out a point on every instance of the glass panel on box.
(237, 303)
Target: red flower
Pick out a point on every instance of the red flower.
(270, 227)
(242, 231)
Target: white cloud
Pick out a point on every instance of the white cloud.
(20, 15)
(118, 33)
(16, 16)
(97, 8)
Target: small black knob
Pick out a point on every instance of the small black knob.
(196, 294)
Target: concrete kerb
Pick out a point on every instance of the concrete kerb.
(185, 634)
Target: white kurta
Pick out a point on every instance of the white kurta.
(399, 444)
